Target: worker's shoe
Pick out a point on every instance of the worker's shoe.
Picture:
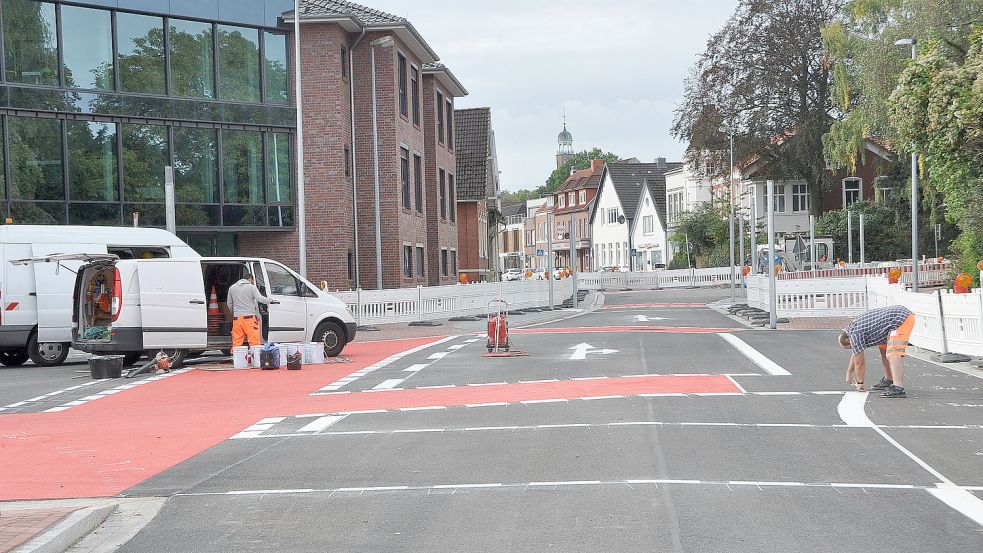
(894, 391)
(884, 384)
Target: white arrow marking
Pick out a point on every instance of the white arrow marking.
(645, 319)
(582, 350)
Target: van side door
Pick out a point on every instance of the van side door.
(54, 283)
(288, 317)
(172, 303)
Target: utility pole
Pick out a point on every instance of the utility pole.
(849, 236)
(301, 202)
(573, 256)
(813, 248)
(549, 254)
(914, 186)
(863, 253)
(772, 280)
(754, 238)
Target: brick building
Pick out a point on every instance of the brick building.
(575, 199)
(477, 194)
(342, 46)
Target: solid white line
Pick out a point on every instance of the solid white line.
(754, 355)
(534, 401)
(589, 398)
(389, 384)
(962, 501)
(851, 410)
(262, 492)
(459, 486)
(829, 393)
(736, 384)
(492, 404)
(322, 423)
(663, 395)
(434, 408)
(777, 393)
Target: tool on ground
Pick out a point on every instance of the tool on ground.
(160, 362)
(499, 344)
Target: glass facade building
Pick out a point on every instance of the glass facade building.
(98, 97)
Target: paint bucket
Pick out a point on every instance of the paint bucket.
(239, 357)
(255, 351)
(290, 349)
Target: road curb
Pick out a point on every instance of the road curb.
(68, 531)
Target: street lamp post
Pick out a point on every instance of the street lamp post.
(914, 186)
(730, 200)
(301, 208)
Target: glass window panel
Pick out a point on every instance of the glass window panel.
(244, 216)
(278, 146)
(140, 40)
(238, 63)
(275, 51)
(195, 166)
(242, 167)
(151, 215)
(94, 214)
(192, 59)
(92, 166)
(281, 216)
(87, 45)
(198, 215)
(30, 42)
(144, 159)
(38, 213)
(36, 171)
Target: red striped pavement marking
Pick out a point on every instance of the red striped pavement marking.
(601, 329)
(641, 305)
(104, 447)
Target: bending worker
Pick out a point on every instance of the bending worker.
(244, 299)
(889, 328)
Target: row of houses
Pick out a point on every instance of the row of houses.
(622, 215)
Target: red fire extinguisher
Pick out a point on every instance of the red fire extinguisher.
(498, 328)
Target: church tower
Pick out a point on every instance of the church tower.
(564, 151)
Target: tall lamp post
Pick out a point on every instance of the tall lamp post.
(730, 200)
(301, 208)
(914, 186)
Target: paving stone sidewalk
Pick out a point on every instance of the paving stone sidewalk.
(18, 526)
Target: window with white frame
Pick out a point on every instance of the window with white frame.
(529, 240)
(549, 201)
(612, 216)
(572, 199)
(648, 225)
(779, 198)
(884, 194)
(561, 201)
(800, 197)
(853, 191)
(583, 197)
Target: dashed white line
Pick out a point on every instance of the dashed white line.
(389, 384)
(322, 423)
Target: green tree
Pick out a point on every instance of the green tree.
(766, 76)
(707, 230)
(580, 160)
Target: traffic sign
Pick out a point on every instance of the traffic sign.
(800, 245)
(689, 247)
(540, 252)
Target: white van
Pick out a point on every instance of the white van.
(130, 306)
(36, 299)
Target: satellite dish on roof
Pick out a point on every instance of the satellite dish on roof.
(621, 219)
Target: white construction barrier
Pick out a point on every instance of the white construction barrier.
(407, 305)
(643, 280)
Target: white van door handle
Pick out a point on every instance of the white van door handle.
(199, 302)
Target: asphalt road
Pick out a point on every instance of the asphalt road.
(643, 426)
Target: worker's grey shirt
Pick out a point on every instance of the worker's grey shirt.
(244, 299)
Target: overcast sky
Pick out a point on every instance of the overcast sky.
(616, 66)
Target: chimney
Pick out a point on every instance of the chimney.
(596, 165)
(661, 162)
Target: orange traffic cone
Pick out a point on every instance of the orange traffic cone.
(214, 313)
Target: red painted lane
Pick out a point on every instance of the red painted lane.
(106, 446)
(601, 329)
(643, 305)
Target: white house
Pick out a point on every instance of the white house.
(649, 236)
(620, 204)
(686, 189)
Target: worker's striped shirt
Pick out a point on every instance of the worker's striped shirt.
(875, 326)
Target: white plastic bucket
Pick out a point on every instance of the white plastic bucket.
(314, 353)
(256, 350)
(239, 360)
(291, 349)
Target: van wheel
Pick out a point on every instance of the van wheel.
(131, 358)
(13, 357)
(332, 336)
(178, 356)
(46, 354)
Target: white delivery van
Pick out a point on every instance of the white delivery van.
(36, 298)
(132, 306)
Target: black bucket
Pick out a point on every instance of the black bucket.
(108, 366)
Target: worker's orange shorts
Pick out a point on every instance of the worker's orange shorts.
(247, 329)
(898, 340)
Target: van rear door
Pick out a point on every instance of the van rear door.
(173, 306)
(54, 285)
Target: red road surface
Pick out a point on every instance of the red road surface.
(105, 446)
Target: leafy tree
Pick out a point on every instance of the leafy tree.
(580, 160)
(709, 233)
(517, 196)
(766, 76)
